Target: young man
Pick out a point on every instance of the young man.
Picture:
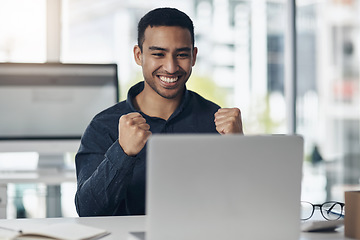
(110, 163)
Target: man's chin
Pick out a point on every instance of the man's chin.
(170, 95)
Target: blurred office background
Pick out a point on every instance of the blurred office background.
(241, 62)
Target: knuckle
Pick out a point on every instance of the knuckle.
(236, 112)
(129, 122)
(231, 120)
(133, 127)
(141, 134)
(122, 118)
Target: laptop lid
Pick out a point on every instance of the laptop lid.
(223, 187)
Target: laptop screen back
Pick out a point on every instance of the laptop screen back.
(223, 187)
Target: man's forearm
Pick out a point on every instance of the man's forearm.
(102, 192)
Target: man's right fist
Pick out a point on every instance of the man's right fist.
(133, 133)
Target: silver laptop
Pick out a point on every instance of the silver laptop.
(223, 187)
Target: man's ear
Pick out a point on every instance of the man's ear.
(195, 51)
(138, 55)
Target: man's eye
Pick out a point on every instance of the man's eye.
(183, 55)
(158, 54)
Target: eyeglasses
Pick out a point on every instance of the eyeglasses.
(331, 210)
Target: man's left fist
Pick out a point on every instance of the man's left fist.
(228, 120)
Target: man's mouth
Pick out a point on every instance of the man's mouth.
(168, 79)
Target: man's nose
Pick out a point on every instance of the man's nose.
(171, 65)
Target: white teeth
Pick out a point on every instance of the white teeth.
(168, 80)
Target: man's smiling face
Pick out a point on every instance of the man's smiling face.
(167, 58)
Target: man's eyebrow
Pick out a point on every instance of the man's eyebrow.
(183, 49)
(155, 48)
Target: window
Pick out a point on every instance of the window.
(22, 27)
(328, 97)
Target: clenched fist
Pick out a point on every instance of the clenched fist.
(228, 120)
(133, 133)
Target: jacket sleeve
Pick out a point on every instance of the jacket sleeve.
(103, 174)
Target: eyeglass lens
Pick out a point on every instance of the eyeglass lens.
(329, 210)
(307, 210)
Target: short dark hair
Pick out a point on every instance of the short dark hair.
(164, 17)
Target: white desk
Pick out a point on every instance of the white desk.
(120, 226)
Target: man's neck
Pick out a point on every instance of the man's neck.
(154, 105)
